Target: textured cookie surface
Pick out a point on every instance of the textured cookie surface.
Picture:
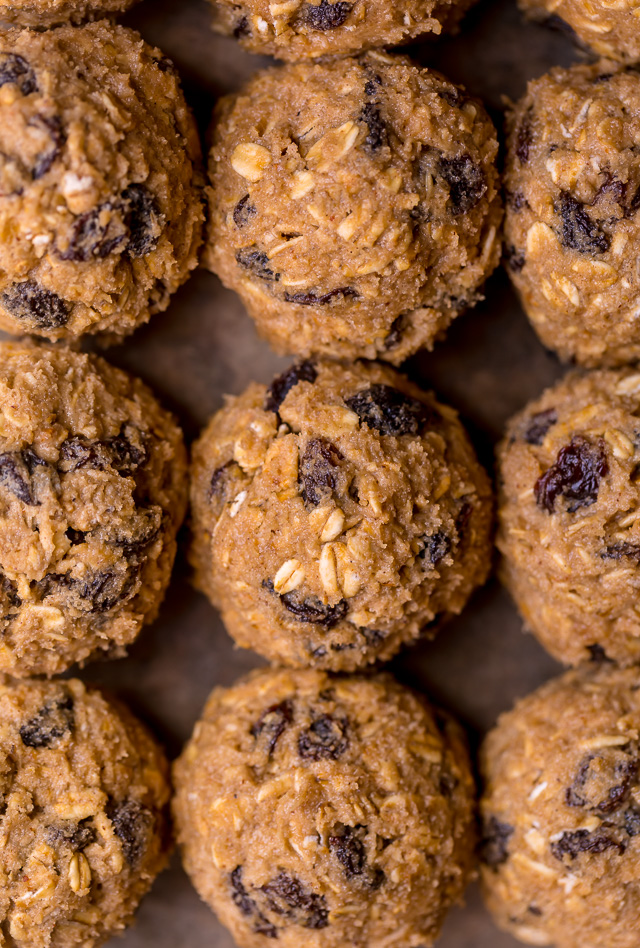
(610, 29)
(325, 811)
(354, 205)
(573, 211)
(47, 13)
(100, 205)
(84, 830)
(92, 491)
(561, 813)
(336, 514)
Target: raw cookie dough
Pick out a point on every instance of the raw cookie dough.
(354, 205)
(84, 830)
(573, 211)
(92, 492)
(337, 514)
(561, 812)
(570, 516)
(303, 29)
(47, 13)
(325, 812)
(100, 196)
(610, 29)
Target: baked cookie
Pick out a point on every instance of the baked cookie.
(325, 811)
(354, 205)
(561, 812)
(573, 211)
(298, 29)
(337, 514)
(569, 516)
(92, 492)
(610, 29)
(100, 192)
(84, 830)
(47, 13)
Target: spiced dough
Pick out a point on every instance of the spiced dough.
(100, 193)
(84, 831)
(48, 13)
(573, 211)
(561, 812)
(353, 205)
(610, 29)
(325, 811)
(337, 514)
(92, 492)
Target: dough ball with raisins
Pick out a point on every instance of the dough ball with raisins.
(570, 516)
(84, 793)
(560, 813)
(47, 13)
(92, 492)
(573, 211)
(100, 189)
(610, 29)
(337, 514)
(325, 811)
(354, 205)
(307, 29)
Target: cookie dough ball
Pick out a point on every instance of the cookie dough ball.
(100, 197)
(336, 514)
(92, 492)
(573, 211)
(569, 516)
(610, 29)
(84, 830)
(354, 205)
(325, 811)
(561, 812)
(47, 13)
(302, 30)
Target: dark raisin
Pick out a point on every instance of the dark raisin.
(247, 905)
(319, 467)
(524, 138)
(396, 330)
(582, 841)
(140, 532)
(324, 739)
(312, 299)
(282, 384)
(242, 27)
(75, 537)
(243, 212)
(91, 236)
(132, 823)
(79, 452)
(97, 592)
(597, 653)
(126, 457)
(372, 86)
(612, 186)
(76, 835)
(466, 180)
(53, 126)
(33, 460)
(451, 96)
(15, 477)
(142, 219)
(632, 822)
(494, 845)
(578, 231)
(288, 897)
(436, 547)
(617, 550)
(10, 590)
(388, 410)
(15, 70)
(576, 475)
(516, 200)
(603, 782)
(54, 721)
(634, 204)
(373, 637)
(217, 479)
(314, 611)
(34, 304)
(348, 848)
(272, 723)
(376, 129)
(539, 424)
(534, 910)
(324, 15)
(515, 259)
(250, 258)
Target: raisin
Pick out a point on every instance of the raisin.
(257, 262)
(436, 547)
(617, 550)
(515, 259)
(76, 835)
(32, 460)
(141, 531)
(272, 723)
(576, 475)
(132, 823)
(75, 537)
(282, 384)
(376, 137)
(324, 739)
(396, 330)
(516, 200)
(79, 452)
(582, 841)
(53, 126)
(126, 457)
(54, 721)
(466, 180)
(243, 212)
(142, 220)
(373, 637)
(524, 138)
(539, 424)
(99, 592)
(14, 476)
(632, 822)
(325, 15)
(313, 611)
(349, 850)
(613, 186)
(247, 905)
(372, 86)
(312, 299)
(90, 237)
(494, 846)
(603, 782)
(597, 653)
(10, 590)
(288, 897)
(578, 231)
(241, 28)
(15, 70)
(387, 410)
(30, 302)
(319, 466)
(451, 96)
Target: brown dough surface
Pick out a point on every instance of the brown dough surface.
(325, 812)
(573, 211)
(47, 13)
(84, 830)
(610, 28)
(561, 812)
(354, 205)
(100, 188)
(92, 492)
(337, 514)
(570, 516)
